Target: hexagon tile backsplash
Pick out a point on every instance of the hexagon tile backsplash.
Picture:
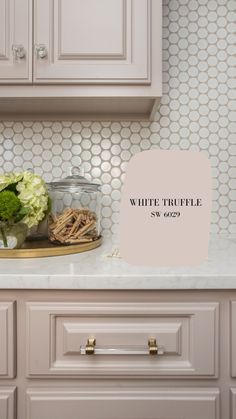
(197, 112)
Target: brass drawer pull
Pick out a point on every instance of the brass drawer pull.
(92, 349)
(152, 344)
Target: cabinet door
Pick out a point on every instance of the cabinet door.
(7, 403)
(122, 404)
(7, 340)
(187, 334)
(15, 41)
(94, 42)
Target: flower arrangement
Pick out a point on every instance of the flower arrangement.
(23, 198)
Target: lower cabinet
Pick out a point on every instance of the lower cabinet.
(122, 404)
(142, 355)
(7, 402)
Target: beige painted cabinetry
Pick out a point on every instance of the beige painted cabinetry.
(8, 403)
(233, 402)
(129, 404)
(7, 339)
(102, 55)
(7, 359)
(233, 338)
(93, 41)
(15, 41)
(155, 355)
(179, 329)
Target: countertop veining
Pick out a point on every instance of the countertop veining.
(98, 270)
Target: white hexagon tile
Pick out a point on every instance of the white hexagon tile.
(197, 112)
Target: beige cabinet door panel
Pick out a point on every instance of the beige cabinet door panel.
(187, 334)
(94, 42)
(7, 340)
(7, 403)
(15, 32)
(122, 404)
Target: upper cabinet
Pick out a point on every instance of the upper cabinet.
(92, 41)
(15, 41)
(102, 56)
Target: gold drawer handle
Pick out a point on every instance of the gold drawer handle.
(152, 344)
(92, 349)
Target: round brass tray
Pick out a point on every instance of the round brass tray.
(44, 248)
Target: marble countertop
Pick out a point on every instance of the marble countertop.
(98, 270)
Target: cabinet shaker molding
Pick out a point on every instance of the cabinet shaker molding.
(102, 56)
(233, 338)
(127, 404)
(7, 402)
(7, 340)
(233, 402)
(186, 333)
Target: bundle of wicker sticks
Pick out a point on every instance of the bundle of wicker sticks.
(73, 226)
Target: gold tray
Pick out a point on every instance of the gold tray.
(44, 248)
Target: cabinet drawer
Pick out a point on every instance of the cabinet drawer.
(233, 338)
(187, 333)
(7, 340)
(7, 403)
(125, 404)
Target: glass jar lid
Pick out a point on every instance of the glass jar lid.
(75, 181)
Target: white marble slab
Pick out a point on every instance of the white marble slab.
(94, 270)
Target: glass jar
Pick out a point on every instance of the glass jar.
(12, 236)
(75, 210)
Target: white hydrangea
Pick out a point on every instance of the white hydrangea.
(9, 178)
(33, 194)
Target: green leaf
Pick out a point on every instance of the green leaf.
(10, 205)
(12, 188)
(21, 214)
